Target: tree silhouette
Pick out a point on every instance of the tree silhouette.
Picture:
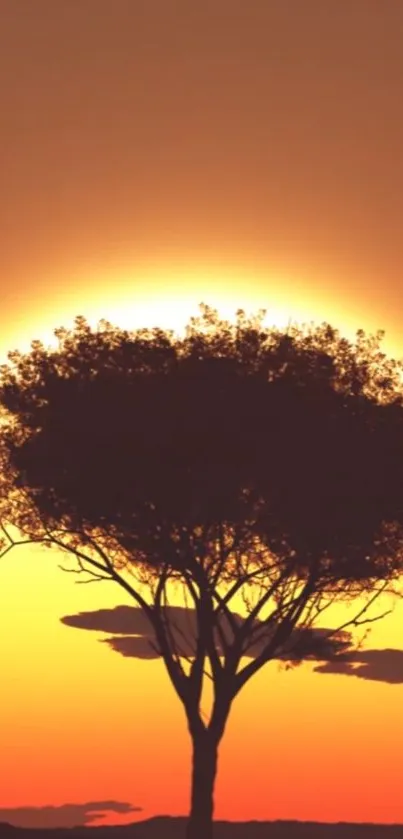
(254, 471)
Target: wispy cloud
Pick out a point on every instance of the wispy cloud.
(65, 815)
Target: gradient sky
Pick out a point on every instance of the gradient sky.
(155, 154)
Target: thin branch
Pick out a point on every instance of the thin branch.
(356, 620)
(242, 631)
(175, 671)
(282, 633)
(206, 616)
(222, 606)
(223, 555)
(221, 634)
(95, 579)
(175, 651)
(244, 578)
(112, 572)
(16, 542)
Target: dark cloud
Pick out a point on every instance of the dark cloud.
(121, 619)
(374, 665)
(66, 815)
(133, 638)
(133, 635)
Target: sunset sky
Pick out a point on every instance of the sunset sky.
(155, 154)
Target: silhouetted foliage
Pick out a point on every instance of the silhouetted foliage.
(239, 464)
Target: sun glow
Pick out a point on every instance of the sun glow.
(168, 300)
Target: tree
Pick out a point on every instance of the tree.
(253, 469)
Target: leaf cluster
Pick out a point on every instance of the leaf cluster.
(235, 445)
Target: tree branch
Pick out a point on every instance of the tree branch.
(242, 632)
(175, 671)
(356, 620)
(283, 631)
(207, 620)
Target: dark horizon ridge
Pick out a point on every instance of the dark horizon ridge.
(173, 827)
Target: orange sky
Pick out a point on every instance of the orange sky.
(156, 153)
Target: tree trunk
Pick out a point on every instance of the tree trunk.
(204, 769)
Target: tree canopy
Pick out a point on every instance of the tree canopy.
(236, 460)
(284, 438)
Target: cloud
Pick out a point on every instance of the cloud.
(125, 620)
(133, 636)
(66, 815)
(375, 665)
